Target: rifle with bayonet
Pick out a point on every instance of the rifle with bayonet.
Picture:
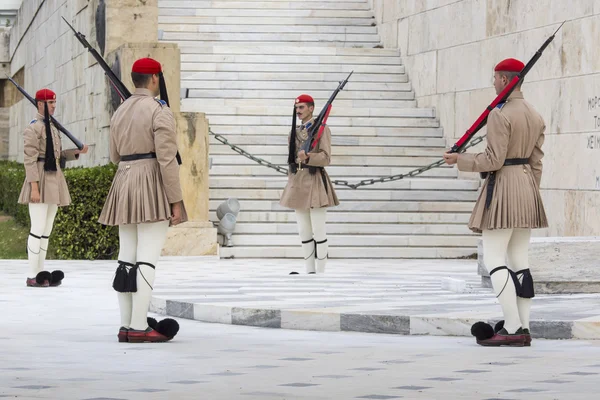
(58, 125)
(121, 89)
(316, 130)
(119, 86)
(501, 98)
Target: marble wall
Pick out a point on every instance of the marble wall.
(45, 49)
(450, 47)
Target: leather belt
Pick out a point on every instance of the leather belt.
(62, 162)
(133, 157)
(492, 178)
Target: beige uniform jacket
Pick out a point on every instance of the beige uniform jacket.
(143, 190)
(304, 190)
(516, 130)
(52, 184)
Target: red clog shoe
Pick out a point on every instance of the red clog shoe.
(149, 335)
(123, 334)
(503, 338)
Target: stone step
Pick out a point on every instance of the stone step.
(264, 14)
(279, 182)
(242, 140)
(265, 49)
(303, 86)
(254, 4)
(355, 218)
(295, 29)
(189, 69)
(352, 195)
(363, 112)
(362, 241)
(287, 77)
(217, 149)
(336, 159)
(275, 43)
(355, 173)
(338, 131)
(334, 122)
(291, 59)
(199, 104)
(348, 252)
(370, 206)
(292, 94)
(275, 228)
(280, 38)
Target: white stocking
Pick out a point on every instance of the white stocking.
(318, 217)
(150, 240)
(518, 259)
(37, 214)
(52, 209)
(495, 245)
(306, 236)
(127, 250)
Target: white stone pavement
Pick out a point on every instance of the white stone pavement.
(417, 297)
(60, 343)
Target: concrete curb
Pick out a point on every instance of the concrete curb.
(330, 320)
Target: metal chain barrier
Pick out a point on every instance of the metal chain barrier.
(364, 182)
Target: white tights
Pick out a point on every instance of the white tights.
(311, 228)
(500, 246)
(140, 243)
(42, 217)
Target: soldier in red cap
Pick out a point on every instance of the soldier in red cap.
(144, 199)
(509, 205)
(309, 190)
(45, 188)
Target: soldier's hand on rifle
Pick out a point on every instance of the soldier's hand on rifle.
(451, 158)
(82, 151)
(302, 156)
(175, 213)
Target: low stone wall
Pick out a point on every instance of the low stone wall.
(450, 47)
(558, 265)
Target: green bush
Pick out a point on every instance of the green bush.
(77, 234)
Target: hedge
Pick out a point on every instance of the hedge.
(76, 235)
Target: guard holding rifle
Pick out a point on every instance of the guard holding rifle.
(45, 188)
(309, 190)
(144, 199)
(509, 205)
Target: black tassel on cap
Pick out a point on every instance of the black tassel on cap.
(49, 157)
(163, 88)
(292, 145)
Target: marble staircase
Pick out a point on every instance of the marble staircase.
(243, 63)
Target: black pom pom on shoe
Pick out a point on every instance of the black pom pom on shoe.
(482, 330)
(151, 322)
(168, 327)
(57, 277)
(42, 277)
(499, 326)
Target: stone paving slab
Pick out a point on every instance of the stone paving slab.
(407, 297)
(60, 343)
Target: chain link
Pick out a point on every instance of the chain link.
(364, 182)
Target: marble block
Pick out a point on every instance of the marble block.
(558, 264)
(191, 239)
(310, 320)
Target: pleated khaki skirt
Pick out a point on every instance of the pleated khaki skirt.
(516, 202)
(137, 195)
(304, 191)
(53, 188)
